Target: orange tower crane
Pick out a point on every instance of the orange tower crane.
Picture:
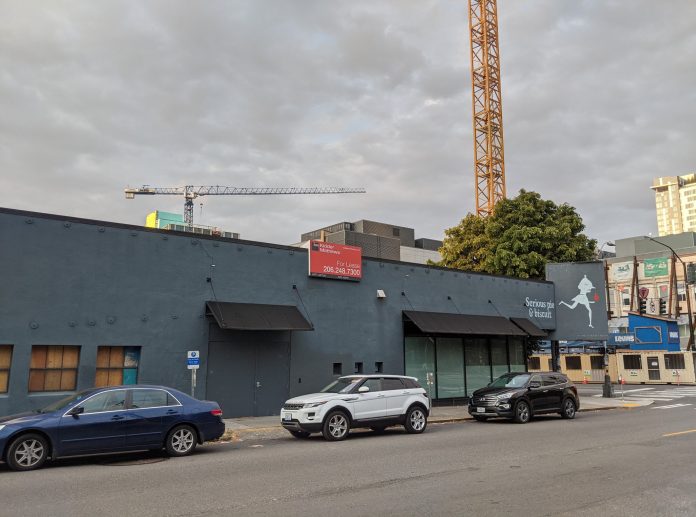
(489, 163)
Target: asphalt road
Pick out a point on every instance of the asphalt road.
(616, 462)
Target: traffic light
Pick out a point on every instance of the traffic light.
(691, 273)
(642, 308)
(663, 306)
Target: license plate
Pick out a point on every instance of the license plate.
(480, 409)
(287, 416)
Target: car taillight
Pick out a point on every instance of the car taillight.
(216, 412)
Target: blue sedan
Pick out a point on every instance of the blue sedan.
(107, 420)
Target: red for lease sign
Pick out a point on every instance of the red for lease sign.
(330, 260)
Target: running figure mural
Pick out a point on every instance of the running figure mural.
(585, 286)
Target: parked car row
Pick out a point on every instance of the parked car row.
(131, 418)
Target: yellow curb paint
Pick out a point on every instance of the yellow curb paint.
(680, 432)
(631, 405)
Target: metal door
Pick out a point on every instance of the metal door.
(653, 368)
(230, 379)
(271, 377)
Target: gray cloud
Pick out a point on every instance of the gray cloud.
(598, 99)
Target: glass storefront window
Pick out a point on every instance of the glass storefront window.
(450, 368)
(517, 353)
(499, 356)
(420, 360)
(478, 369)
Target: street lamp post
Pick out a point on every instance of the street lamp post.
(690, 345)
(606, 388)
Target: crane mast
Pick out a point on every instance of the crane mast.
(489, 164)
(191, 192)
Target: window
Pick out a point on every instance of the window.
(674, 361)
(632, 362)
(113, 400)
(53, 368)
(338, 368)
(550, 380)
(150, 398)
(358, 367)
(392, 384)
(597, 362)
(396, 232)
(117, 365)
(535, 363)
(573, 363)
(379, 366)
(5, 362)
(373, 384)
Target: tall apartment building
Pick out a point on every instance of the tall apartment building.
(675, 204)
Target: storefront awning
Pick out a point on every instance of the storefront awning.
(529, 327)
(257, 316)
(447, 323)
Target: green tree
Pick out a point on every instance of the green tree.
(518, 239)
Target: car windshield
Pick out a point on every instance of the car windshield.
(342, 385)
(67, 401)
(510, 381)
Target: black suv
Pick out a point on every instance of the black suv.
(520, 396)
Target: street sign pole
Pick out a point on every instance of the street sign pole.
(193, 361)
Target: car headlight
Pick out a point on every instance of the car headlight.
(504, 397)
(2, 426)
(314, 404)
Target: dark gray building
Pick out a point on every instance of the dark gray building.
(86, 302)
(377, 240)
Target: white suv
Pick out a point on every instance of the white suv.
(374, 401)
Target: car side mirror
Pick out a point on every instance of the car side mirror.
(363, 389)
(535, 384)
(77, 410)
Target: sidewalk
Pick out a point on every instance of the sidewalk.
(438, 414)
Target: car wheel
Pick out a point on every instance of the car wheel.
(416, 420)
(300, 434)
(27, 452)
(522, 412)
(336, 426)
(480, 418)
(378, 429)
(568, 410)
(181, 440)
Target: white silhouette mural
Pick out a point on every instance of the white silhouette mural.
(585, 287)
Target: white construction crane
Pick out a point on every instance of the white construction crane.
(191, 192)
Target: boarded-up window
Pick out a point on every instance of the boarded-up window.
(632, 362)
(535, 363)
(5, 362)
(597, 362)
(573, 363)
(117, 365)
(53, 368)
(672, 362)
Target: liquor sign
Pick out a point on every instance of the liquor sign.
(330, 260)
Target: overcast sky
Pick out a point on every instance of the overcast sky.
(599, 97)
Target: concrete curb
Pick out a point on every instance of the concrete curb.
(235, 434)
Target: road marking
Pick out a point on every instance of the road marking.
(638, 389)
(672, 406)
(679, 433)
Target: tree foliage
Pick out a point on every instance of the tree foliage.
(518, 239)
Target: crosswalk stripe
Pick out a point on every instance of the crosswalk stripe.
(671, 406)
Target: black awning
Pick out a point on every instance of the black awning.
(257, 316)
(529, 327)
(447, 323)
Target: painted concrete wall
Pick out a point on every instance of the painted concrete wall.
(78, 282)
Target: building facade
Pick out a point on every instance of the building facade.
(379, 240)
(87, 303)
(675, 204)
